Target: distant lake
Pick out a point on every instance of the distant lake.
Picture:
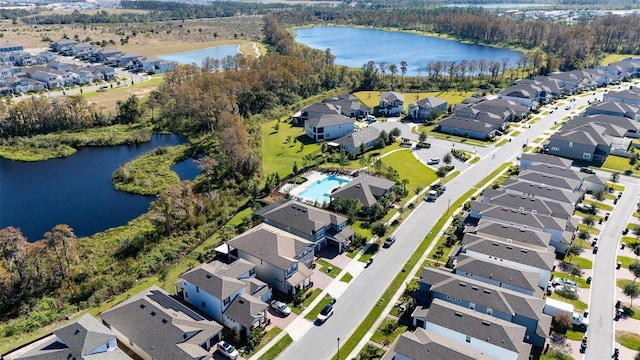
(355, 47)
(500, 5)
(197, 56)
(76, 190)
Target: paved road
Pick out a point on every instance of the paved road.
(321, 341)
(602, 301)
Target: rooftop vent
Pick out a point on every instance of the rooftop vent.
(463, 284)
(485, 322)
(486, 291)
(474, 287)
(459, 314)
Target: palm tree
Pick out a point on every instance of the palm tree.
(632, 291)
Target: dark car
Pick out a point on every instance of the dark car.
(390, 240)
(587, 170)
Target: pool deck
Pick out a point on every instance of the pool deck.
(312, 177)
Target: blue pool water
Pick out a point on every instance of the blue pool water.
(321, 189)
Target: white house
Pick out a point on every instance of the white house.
(391, 103)
(328, 126)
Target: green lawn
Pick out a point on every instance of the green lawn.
(582, 262)
(538, 140)
(580, 281)
(372, 98)
(515, 133)
(628, 340)
(276, 349)
(346, 278)
(578, 305)
(280, 155)
(592, 230)
(625, 260)
(313, 314)
(306, 302)
(380, 338)
(266, 338)
(618, 163)
(325, 266)
(601, 206)
(410, 168)
(501, 142)
(621, 283)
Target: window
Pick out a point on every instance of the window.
(468, 339)
(472, 306)
(489, 311)
(226, 301)
(197, 289)
(186, 294)
(570, 143)
(555, 148)
(252, 272)
(586, 156)
(203, 304)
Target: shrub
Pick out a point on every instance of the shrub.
(379, 228)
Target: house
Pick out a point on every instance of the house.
(427, 108)
(105, 55)
(500, 303)
(525, 203)
(83, 339)
(503, 110)
(481, 332)
(560, 228)
(537, 261)
(538, 158)
(364, 188)
(527, 93)
(101, 72)
(427, 345)
(319, 226)
(282, 260)
(510, 234)
(57, 45)
(328, 126)
(391, 103)
(550, 181)
(503, 276)
(615, 109)
(315, 110)
(154, 325)
(629, 96)
(515, 186)
(6, 48)
(588, 143)
(50, 79)
(229, 293)
(348, 105)
(571, 82)
(359, 141)
(471, 128)
(24, 59)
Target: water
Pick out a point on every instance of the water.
(500, 5)
(197, 56)
(355, 47)
(322, 188)
(76, 190)
(187, 169)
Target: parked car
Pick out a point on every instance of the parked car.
(390, 240)
(595, 250)
(563, 281)
(587, 170)
(568, 107)
(584, 207)
(228, 350)
(326, 312)
(280, 307)
(433, 161)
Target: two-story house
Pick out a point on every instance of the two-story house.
(546, 159)
(359, 141)
(498, 302)
(316, 225)
(154, 325)
(282, 260)
(511, 234)
(328, 126)
(364, 188)
(229, 293)
(82, 339)
(484, 333)
(391, 103)
(427, 108)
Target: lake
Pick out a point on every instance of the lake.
(355, 47)
(76, 190)
(197, 56)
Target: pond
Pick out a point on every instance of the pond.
(197, 56)
(354, 47)
(77, 190)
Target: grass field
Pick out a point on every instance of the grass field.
(619, 163)
(372, 98)
(410, 168)
(280, 155)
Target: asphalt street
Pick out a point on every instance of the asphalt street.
(362, 294)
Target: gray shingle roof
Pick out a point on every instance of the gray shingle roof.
(246, 309)
(521, 279)
(544, 179)
(206, 278)
(589, 134)
(236, 269)
(277, 247)
(367, 189)
(516, 235)
(468, 124)
(390, 96)
(610, 107)
(357, 138)
(483, 327)
(517, 201)
(76, 340)
(430, 101)
(556, 171)
(427, 345)
(538, 259)
(329, 120)
(301, 217)
(521, 187)
(160, 325)
(519, 217)
(547, 159)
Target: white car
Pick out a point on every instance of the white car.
(433, 161)
(228, 350)
(280, 307)
(326, 312)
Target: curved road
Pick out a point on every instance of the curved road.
(320, 342)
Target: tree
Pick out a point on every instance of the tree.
(422, 137)
(129, 111)
(632, 291)
(584, 234)
(572, 250)
(62, 241)
(13, 248)
(387, 329)
(563, 320)
(295, 168)
(589, 221)
(634, 267)
(633, 159)
(442, 172)
(447, 158)
(575, 270)
(615, 176)
(600, 194)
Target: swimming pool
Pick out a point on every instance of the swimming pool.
(320, 190)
